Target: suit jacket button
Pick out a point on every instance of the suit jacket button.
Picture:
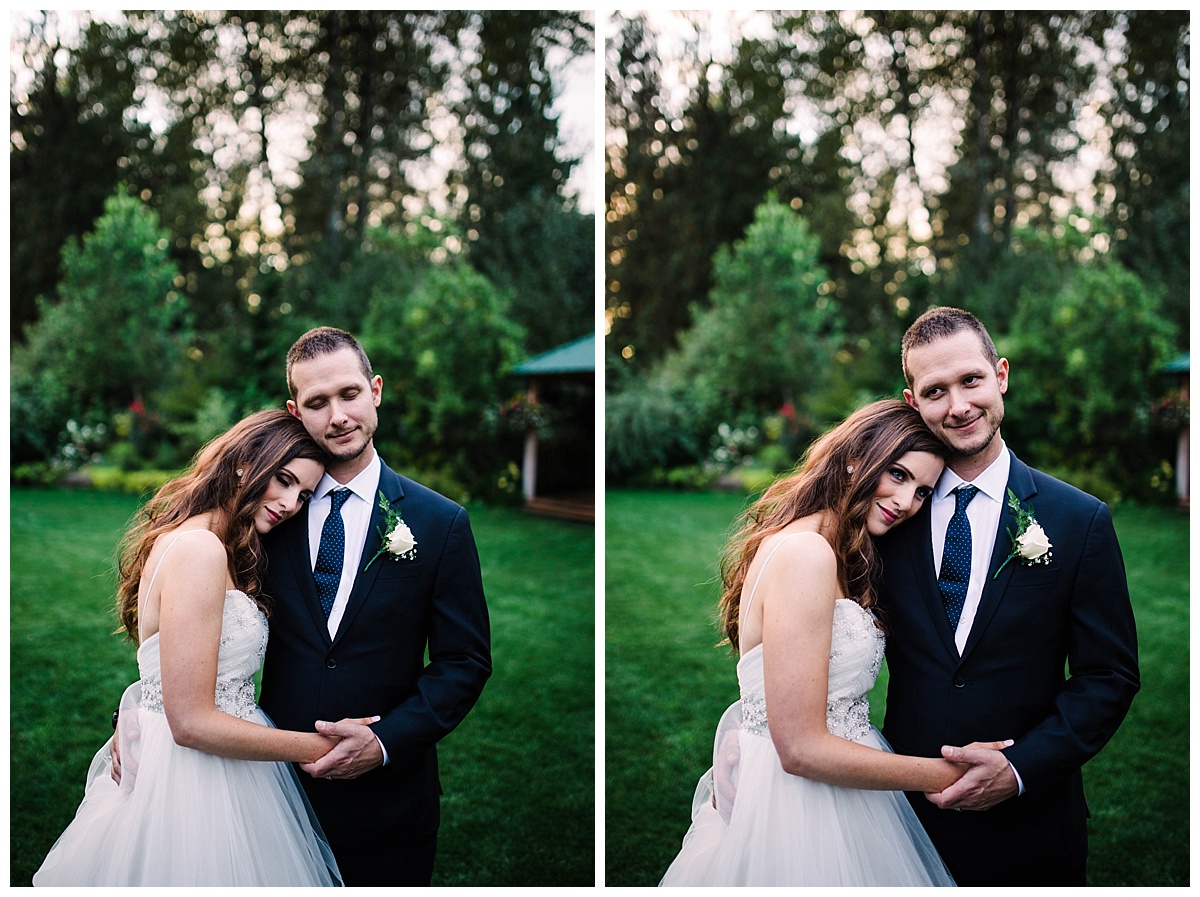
(330, 664)
(959, 681)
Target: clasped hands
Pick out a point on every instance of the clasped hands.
(355, 750)
(987, 779)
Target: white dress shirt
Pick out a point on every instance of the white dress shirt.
(356, 514)
(983, 513)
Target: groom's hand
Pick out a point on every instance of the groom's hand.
(988, 780)
(357, 752)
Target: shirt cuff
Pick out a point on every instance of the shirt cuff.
(385, 756)
(1020, 784)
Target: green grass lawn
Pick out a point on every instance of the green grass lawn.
(518, 774)
(667, 684)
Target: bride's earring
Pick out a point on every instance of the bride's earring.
(849, 469)
(239, 473)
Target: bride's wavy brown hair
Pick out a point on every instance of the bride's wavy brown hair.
(259, 446)
(870, 440)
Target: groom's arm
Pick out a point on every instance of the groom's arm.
(1102, 666)
(1103, 679)
(460, 659)
(451, 682)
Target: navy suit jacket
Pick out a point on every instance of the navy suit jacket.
(1051, 662)
(398, 613)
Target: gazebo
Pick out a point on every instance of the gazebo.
(559, 470)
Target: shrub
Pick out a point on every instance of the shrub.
(647, 427)
(132, 482)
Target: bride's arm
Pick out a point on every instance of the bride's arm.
(797, 594)
(191, 606)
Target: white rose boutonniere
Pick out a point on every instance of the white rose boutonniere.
(1029, 542)
(398, 541)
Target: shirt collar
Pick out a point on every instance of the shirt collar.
(992, 482)
(362, 485)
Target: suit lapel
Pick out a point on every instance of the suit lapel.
(920, 554)
(390, 486)
(1020, 481)
(300, 558)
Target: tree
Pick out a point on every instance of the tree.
(68, 143)
(512, 149)
(543, 253)
(1087, 347)
(770, 333)
(115, 337)
(522, 230)
(1150, 173)
(684, 175)
(444, 345)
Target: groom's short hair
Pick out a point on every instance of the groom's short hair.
(941, 322)
(324, 341)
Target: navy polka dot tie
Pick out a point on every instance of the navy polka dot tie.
(328, 571)
(956, 556)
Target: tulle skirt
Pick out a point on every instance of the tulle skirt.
(782, 829)
(182, 817)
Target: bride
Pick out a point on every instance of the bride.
(192, 806)
(803, 790)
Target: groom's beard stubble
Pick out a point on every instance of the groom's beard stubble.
(367, 430)
(966, 451)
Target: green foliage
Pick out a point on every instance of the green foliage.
(69, 143)
(769, 332)
(648, 426)
(694, 159)
(115, 335)
(1151, 128)
(142, 483)
(543, 254)
(513, 151)
(1086, 359)
(445, 346)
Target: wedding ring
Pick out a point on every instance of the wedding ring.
(330, 778)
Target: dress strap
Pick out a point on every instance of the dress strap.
(774, 548)
(158, 566)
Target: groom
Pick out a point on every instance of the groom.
(977, 646)
(351, 628)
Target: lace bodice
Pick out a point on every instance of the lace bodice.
(855, 658)
(242, 648)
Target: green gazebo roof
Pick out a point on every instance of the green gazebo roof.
(1180, 365)
(576, 357)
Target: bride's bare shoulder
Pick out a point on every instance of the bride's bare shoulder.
(799, 549)
(197, 544)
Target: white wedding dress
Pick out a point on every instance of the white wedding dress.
(183, 817)
(773, 828)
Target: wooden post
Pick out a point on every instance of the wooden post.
(529, 468)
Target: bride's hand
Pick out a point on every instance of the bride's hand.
(728, 758)
(359, 720)
(989, 745)
(333, 741)
(115, 750)
(982, 746)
